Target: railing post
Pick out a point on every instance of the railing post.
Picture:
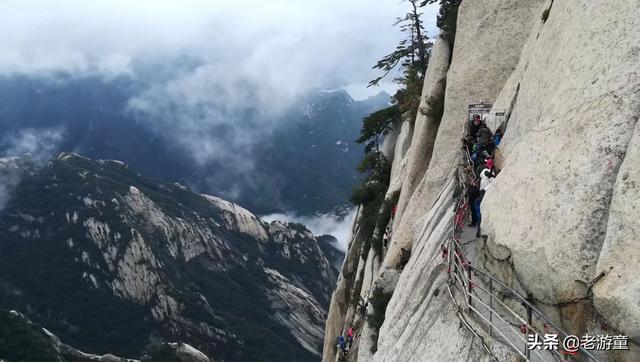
(449, 266)
(490, 306)
(529, 321)
(469, 284)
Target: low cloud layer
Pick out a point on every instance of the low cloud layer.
(39, 143)
(35, 146)
(326, 224)
(205, 71)
(288, 46)
(201, 108)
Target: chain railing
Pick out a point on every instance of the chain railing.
(484, 295)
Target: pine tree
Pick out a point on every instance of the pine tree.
(447, 17)
(411, 52)
(376, 125)
(374, 164)
(412, 55)
(419, 41)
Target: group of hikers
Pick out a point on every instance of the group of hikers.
(345, 344)
(480, 144)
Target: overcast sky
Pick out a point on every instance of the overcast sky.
(211, 60)
(289, 45)
(200, 64)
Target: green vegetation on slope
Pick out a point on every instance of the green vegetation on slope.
(47, 276)
(20, 341)
(412, 56)
(378, 301)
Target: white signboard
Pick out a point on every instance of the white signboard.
(479, 108)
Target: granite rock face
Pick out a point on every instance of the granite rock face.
(416, 160)
(401, 149)
(489, 39)
(565, 207)
(616, 295)
(561, 219)
(338, 308)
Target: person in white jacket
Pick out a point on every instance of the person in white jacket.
(486, 177)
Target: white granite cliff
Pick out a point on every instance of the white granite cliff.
(561, 219)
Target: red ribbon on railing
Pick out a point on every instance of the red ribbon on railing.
(459, 220)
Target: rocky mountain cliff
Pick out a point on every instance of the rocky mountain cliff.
(112, 262)
(560, 219)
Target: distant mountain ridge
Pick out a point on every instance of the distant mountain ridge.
(305, 164)
(111, 262)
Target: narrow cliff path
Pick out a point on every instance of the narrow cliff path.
(490, 315)
(487, 306)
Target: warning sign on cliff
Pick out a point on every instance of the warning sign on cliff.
(479, 108)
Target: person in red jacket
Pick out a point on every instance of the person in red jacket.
(350, 335)
(489, 163)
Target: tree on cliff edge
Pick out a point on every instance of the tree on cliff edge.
(411, 52)
(374, 165)
(376, 125)
(447, 18)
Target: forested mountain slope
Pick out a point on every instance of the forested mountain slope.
(112, 262)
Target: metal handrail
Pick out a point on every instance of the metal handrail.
(506, 322)
(506, 339)
(466, 324)
(520, 298)
(490, 293)
(492, 296)
(464, 281)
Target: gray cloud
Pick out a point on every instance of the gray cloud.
(38, 143)
(323, 224)
(193, 106)
(29, 148)
(221, 61)
(287, 45)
